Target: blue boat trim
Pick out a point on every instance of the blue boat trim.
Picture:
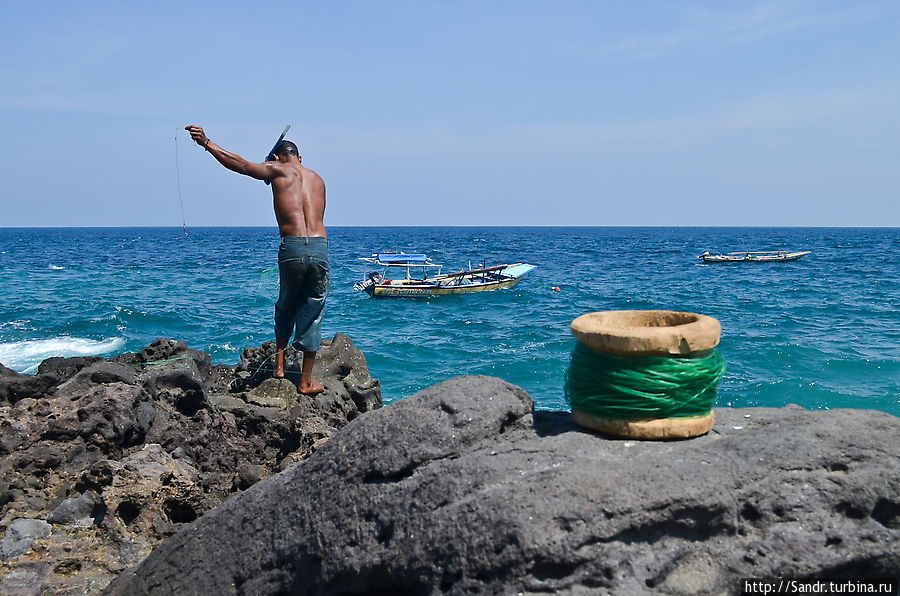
(402, 258)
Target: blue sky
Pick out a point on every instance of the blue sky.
(456, 113)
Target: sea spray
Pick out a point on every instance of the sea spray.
(25, 356)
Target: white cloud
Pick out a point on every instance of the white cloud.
(745, 25)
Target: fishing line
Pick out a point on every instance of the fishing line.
(634, 388)
(159, 362)
(168, 360)
(178, 180)
(255, 372)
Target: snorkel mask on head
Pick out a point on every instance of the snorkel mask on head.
(271, 155)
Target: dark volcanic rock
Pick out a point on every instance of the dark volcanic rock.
(338, 360)
(119, 454)
(21, 534)
(462, 489)
(51, 372)
(82, 510)
(14, 388)
(66, 368)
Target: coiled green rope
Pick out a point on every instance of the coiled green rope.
(634, 388)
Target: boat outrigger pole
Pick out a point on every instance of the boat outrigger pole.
(271, 155)
(474, 271)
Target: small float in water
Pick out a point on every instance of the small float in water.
(754, 256)
(420, 276)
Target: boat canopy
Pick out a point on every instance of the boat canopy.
(402, 258)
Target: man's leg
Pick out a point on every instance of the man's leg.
(285, 306)
(280, 344)
(308, 385)
(308, 318)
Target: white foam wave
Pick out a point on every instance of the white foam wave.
(24, 356)
(56, 267)
(225, 346)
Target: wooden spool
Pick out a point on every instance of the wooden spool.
(647, 333)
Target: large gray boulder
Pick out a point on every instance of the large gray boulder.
(463, 489)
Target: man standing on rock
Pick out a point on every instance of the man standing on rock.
(299, 197)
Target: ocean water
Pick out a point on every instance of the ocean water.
(822, 332)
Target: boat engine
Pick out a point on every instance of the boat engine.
(361, 286)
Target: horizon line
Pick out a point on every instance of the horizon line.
(337, 226)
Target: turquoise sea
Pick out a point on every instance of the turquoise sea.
(822, 332)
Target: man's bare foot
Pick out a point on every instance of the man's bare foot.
(309, 386)
(279, 364)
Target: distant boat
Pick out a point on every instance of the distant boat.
(755, 256)
(422, 277)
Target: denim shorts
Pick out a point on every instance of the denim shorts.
(303, 270)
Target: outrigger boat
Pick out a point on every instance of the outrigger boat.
(758, 256)
(422, 277)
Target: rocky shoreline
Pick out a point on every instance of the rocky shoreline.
(100, 460)
(462, 488)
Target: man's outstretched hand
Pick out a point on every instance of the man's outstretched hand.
(198, 135)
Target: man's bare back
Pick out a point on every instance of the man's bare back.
(299, 199)
(298, 192)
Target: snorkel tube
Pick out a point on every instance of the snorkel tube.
(271, 155)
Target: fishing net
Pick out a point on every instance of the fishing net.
(268, 282)
(265, 286)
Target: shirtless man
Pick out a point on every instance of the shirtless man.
(299, 197)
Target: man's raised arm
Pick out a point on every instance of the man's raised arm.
(233, 161)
